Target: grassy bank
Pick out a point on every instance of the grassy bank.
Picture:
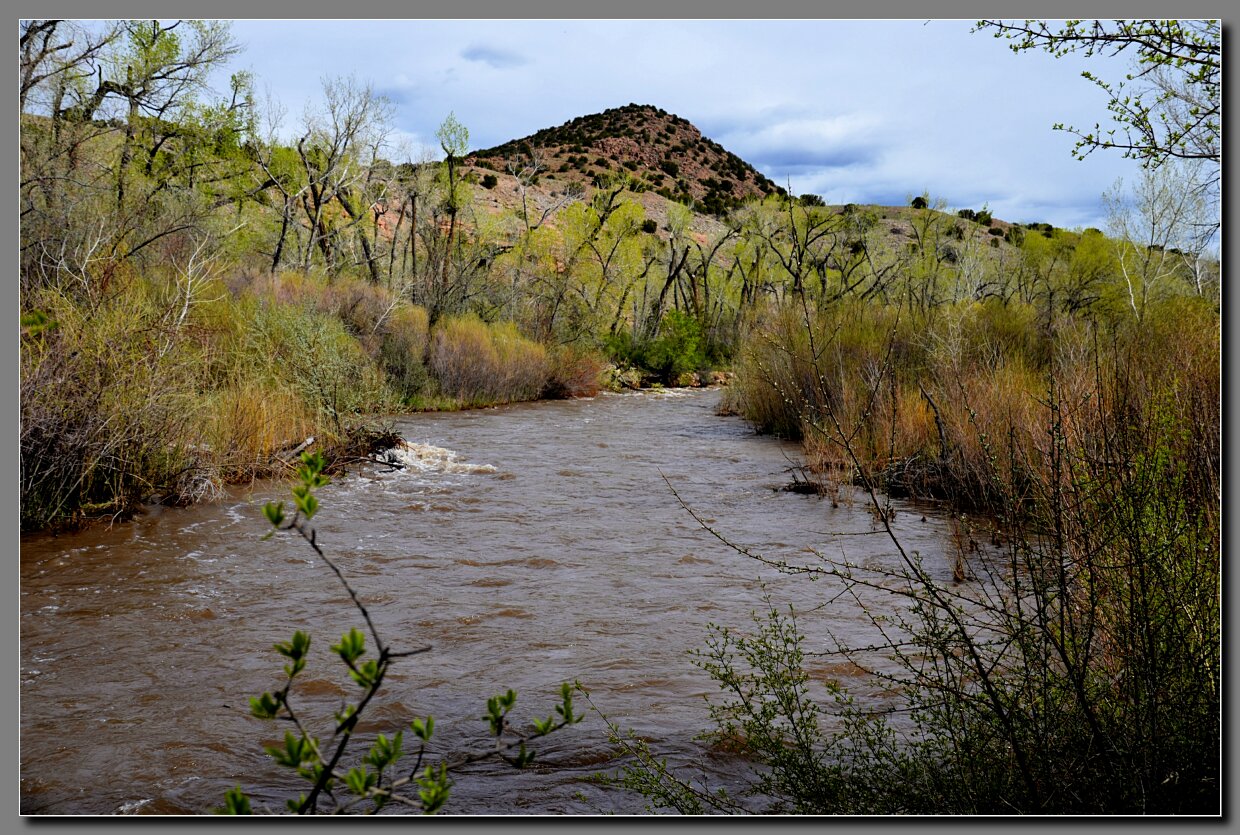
(156, 390)
(953, 402)
(1072, 663)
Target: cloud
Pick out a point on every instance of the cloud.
(806, 147)
(494, 57)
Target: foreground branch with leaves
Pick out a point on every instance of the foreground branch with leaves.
(377, 779)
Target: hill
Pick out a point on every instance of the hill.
(664, 158)
(657, 151)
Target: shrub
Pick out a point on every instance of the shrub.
(676, 349)
(649, 226)
(1072, 667)
(405, 338)
(574, 372)
(375, 779)
(491, 181)
(479, 364)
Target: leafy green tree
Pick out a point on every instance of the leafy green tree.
(91, 200)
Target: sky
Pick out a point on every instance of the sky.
(854, 111)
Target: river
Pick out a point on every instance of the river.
(527, 545)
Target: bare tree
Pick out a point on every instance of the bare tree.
(332, 150)
(1160, 233)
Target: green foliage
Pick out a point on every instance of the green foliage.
(478, 363)
(675, 350)
(1167, 107)
(453, 136)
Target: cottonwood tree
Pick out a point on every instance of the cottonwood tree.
(1157, 233)
(179, 157)
(352, 121)
(56, 55)
(1168, 107)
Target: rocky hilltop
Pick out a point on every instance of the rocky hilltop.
(654, 150)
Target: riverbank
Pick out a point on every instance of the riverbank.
(158, 391)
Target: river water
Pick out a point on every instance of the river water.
(527, 545)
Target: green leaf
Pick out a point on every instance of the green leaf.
(423, 730)
(367, 675)
(345, 713)
(352, 645)
(296, 648)
(360, 780)
(385, 751)
(433, 789)
(235, 803)
(265, 706)
(274, 511)
(308, 505)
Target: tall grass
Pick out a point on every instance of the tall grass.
(145, 392)
(931, 398)
(1075, 665)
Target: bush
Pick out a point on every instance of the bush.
(575, 372)
(480, 364)
(405, 338)
(649, 226)
(491, 181)
(143, 396)
(676, 350)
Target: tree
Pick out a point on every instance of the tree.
(1168, 107)
(1158, 233)
(338, 149)
(56, 54)
(454, 140)
(179, 155)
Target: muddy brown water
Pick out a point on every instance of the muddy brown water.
(527, 545)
